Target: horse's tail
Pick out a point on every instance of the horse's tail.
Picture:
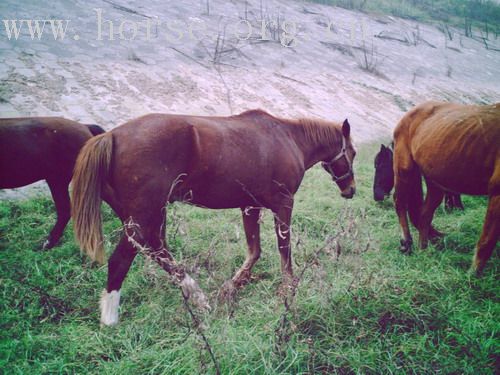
(90, 174)
(95, 129)
(416, 194)
(405, 165)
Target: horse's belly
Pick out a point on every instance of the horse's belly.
(14, 176)
(219, 197)
(464, 179)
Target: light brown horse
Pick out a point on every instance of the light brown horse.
(43, 148)
(457, 149)
(249, 161)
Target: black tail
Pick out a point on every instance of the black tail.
(95, 129)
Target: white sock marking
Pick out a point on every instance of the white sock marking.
(109, 307)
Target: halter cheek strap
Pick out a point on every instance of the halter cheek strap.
(340, 155)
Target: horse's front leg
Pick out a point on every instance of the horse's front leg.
(453, 201)
(282, 220)
(252, 232)
(457, 202)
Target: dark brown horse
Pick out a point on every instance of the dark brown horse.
(457, 149)
(383, 182)
(250, 161)
(43, 148)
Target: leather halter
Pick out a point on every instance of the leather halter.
(329, 164)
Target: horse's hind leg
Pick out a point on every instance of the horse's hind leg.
(146, 231)
(252, 232)
(405, 179)
(489, 236)
(432, 201)
(400, 204)
(60, 195)
(118, 266)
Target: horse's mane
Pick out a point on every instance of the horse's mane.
(315, 130)
(319, 131)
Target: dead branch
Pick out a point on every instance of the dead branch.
(189, 57)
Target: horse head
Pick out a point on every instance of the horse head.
(339, 164)
(384, 174)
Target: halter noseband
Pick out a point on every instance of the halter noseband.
(340, 155)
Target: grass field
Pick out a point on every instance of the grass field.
(361, 306)
(481, 14)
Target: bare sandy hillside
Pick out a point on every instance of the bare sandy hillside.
(183, 57)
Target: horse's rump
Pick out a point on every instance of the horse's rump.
(43, 148)
(38, 148)
(455, 146)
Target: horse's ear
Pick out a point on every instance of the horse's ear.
(382, 147)
(346, 129)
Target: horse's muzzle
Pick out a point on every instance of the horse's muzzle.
(348, 193)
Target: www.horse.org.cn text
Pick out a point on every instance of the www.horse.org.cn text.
(287, 33)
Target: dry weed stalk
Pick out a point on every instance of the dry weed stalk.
(349, 230)
(176, 273)
(177, 276)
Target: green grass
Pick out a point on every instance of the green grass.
(368, 310)
(483, 15)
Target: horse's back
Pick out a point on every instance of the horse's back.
(37, 148)
(220, 159)
(169, 135)
(446, 118)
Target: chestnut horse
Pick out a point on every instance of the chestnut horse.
(43, 148)
(383, 182)
(250, 161)
(457, 149)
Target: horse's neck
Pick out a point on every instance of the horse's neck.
(315, 149)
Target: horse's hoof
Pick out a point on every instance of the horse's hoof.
(434, 234)
(48, 244)
(436, 241)
(406, 246)
(476, 269)
(241, 280)
(227, 292)
(288, 287)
